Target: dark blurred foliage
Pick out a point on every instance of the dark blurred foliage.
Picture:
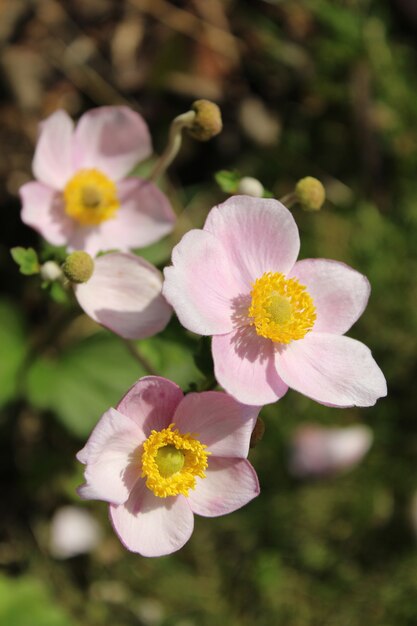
(311, 87)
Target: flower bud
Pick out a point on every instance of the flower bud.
(310, 193)
(249, 186)
(207, 122)
(257, 433)
(51, 271)
(78, 267)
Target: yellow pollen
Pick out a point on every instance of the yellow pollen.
(281, 309)
(90, 197)
(171, 462)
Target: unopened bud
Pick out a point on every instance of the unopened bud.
(207, 122)
(310, 193)
(257, 433)
(250, 187)
(78, 267)
(50, 271)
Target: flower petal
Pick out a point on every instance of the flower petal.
(202, 285)
(145, 216)
(112, 139)
(43, 210)
(124, 295)
(52, 163)
(109, 454)
(229, 485)
(340, 293)
(244, 366)
(331, 369)
(152, 526)
(258, 234)
(151, 402)
(219, 421)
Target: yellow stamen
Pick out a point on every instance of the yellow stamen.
(281, 309)
(90, 197)
(171, 461)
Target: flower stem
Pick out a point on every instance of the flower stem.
(182, 121)
(142, 360)
(289, 200)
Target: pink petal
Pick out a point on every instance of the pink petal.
(52, 163)
(340, 293)
(218, 421)
(151, 403)
(318, 451)
(244, 366)
(145, 216)
(113, 465)
(112, 139)
(152, 526)
(124, 295)
(42, 209)
(331, 369)
(229, 485)
(258, 234)
(202, 285)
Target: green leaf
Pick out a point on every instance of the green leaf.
(227, 180)
(26, 259)
(203, 357)
(25, 601)
(83, 382)
(13, 349)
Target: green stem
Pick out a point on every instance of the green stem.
(142, 360)
(182, 121)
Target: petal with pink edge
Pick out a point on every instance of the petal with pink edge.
(43, 210)
(111, 458)
(340, 293)
(145, 216)
(331, 369)
(152, 526)
(218, 421)
(202, 285)
(229, 485)
(52, 163)
(124, 294)
(112, 139)
(151, 402)
(259, 235)
(244, 366)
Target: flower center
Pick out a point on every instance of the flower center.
(171, 462)
(281, 309)
(90, 197)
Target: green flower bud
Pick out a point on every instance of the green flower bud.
(78, 267)
(207, 122)
(257, 433)
(310, 193)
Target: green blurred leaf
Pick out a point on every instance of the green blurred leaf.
(26, 259)
(227, 180)
(26, 602)
(84, 381)
(13, 348)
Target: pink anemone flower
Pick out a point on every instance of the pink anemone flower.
(318, 451)
(81, 197)
(160, 457)
(124, 294)
(276, 323)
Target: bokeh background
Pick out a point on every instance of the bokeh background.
(307, 87)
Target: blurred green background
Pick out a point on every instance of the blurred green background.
(311, 87)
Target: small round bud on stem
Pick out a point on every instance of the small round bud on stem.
(310, 193)
(78, 267)
(249, 186)
(257, 433)
(207, 122)
(50, 271)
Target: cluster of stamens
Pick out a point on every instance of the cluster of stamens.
(90, 197)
